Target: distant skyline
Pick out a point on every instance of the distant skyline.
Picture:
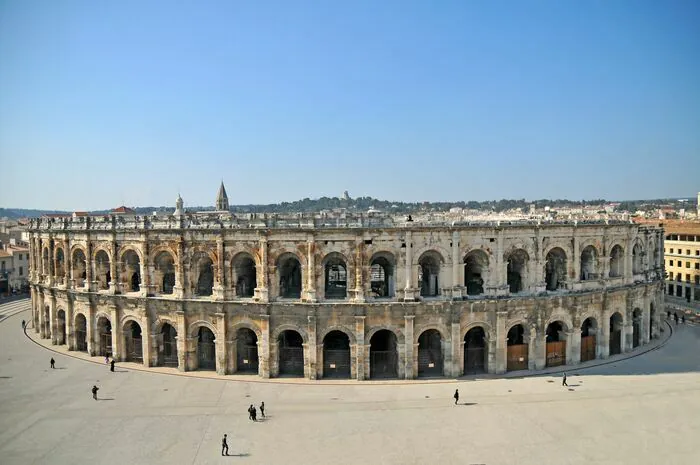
(128, 103)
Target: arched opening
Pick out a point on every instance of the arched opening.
(61, 326)
(164, 271)
(652, 320)
(555, 269)
(616, 262)
(336, 355)
(290, 277)
(637, 259)
(428, 274)
(615, 334)
(588, 339)
(131, 271)
(167, 346)
(60, 270)
(45, 261)
(383, 355)
(430, 353)
(475, 351)
(79, 268)
(517, 270)
(246, 351)
(47, 321)
(589, 263)
(81, 333)
(556, 344)
(636, 327)
(291, 353)
(204, 272)
(516, 358)
(476, 265)
(382, 276)
(133, 343)
(104, 331)
(336, 277)
(244, 275)
(206, 349)
(102, 273)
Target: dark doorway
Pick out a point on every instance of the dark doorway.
(476, 264)
(246, 351)
(555, 269)
(652, 319)
(475, 351)
(588, 340)
(290, 278)
(615, 334)
(556, 344)
(636, 327)
(206, 349)
(517, 270)
(104, 329)
(384, 357)
(244, 275)
(81, 333)
(205, 276)
(61, 327)
(430, 353)
(133, 342)
(167, 353)
(336, 278)
(517, 352)
(382, 276)
(428, 273)
(291, 353)
(336, 355)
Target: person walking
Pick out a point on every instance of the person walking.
(250, 412)
(675, 317)
(254, 414)
(224, 446)
(111, 366)
(106, 358)
(262, 409)
(456, 396)
(94, 392)
(683, 319)
(53, 363)
(563, 380)
(24, 324)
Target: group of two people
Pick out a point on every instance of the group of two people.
(253, 412)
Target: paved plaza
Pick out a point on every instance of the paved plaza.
(643, 410)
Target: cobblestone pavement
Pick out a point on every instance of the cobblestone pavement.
(643, 410)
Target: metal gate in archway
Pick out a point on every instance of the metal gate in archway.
(588, 348)
(636, 333)
(383, 364)
(169, 354)
(336, 363)
(291, 361)
(474, 360)
(106, 344)
(81, 340)
(206, 355)
(134, 349)
(247, 358)
(517, 357)
(556, 353)
(430, 362)
(616, 342)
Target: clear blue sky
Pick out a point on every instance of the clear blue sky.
(129, 102)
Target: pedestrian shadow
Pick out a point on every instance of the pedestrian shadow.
(573, 385)
(244, 454)
(5, 377)
(467, 403)
(60, 368)
(105, 398)
(120, 371)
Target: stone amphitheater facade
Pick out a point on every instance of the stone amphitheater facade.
(366, 296)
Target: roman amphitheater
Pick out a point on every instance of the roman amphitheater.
(343, 296)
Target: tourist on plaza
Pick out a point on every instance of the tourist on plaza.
(111, 366)
(675, 317)
(668, 313)
(106, 358)
(683, 319)
(254, 414)
(23, 324)
(224, 446)
(563, 380)
(94, 392)
(250, 412)
(456, 396)
(262, 409)
(53, 363)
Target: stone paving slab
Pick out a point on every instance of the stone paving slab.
(642, 410)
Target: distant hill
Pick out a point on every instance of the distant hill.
(365, 203)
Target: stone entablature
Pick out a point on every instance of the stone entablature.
(196, 286)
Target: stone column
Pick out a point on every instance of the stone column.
(148, 342)
(576, 259)
(221, 344)
(358, 294)
(310, 368)
(498, 358)
(573, 346)
(70, 326)
(411, 370)
(42, 315)
(604, 342)
(179, 287)
(501, 283)
(53, 322)
(66, 263)
(457, 368)
(457, 279)
(117, 347)
(218, 290)
(534, 359)
(311, 271)
(409, 291)
(181, 341)
(88, 267)
(261, 293)
(90, 330)
(147, 289)
(628, 259)
(264, 368)
(360, 350)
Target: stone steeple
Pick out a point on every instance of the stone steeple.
(178, 206)
(222, 199)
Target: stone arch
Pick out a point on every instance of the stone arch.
(617, 261)
(430, 352)
(132, 333)
(124, 249)
(101, 247)
(244, 278)
(154, 251)
(247, 324)
(336, 354)
(638, 257)
(637, 316)
(290, 352)
(476, 351)
(475, 324)
(164, 271)
(616, 323)
(518, 269)
(59, 257)
(382, 270)
(165, 334)
(396, 330)
(384, 353)
(197, 251)
(348, 332)
(476, 271)
(335, 275)
(61, 326)
(206, 346)
(104, 328)
(589, 338)
(102, 264)
(589, 263)
(556, 270)
(556, 336)
(80, 325)
(193, 328)
(517, 345)
(202, 268)
(160, 321)
(289, 327)
(430, 264)
(79, 265)
(131, 270)
(289, 275)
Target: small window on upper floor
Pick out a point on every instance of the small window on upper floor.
(687, 264)
(670, 250)
(687, 251)
(670, 263)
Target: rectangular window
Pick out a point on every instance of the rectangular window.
(687, 251)
(670, 250)
(679, 291)
(679, 277)
(687, 264)
(670, 289)
(687, 278)
(697, 279)
(670, 263)
(697, 252)
(697, 266)
(20, 271)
